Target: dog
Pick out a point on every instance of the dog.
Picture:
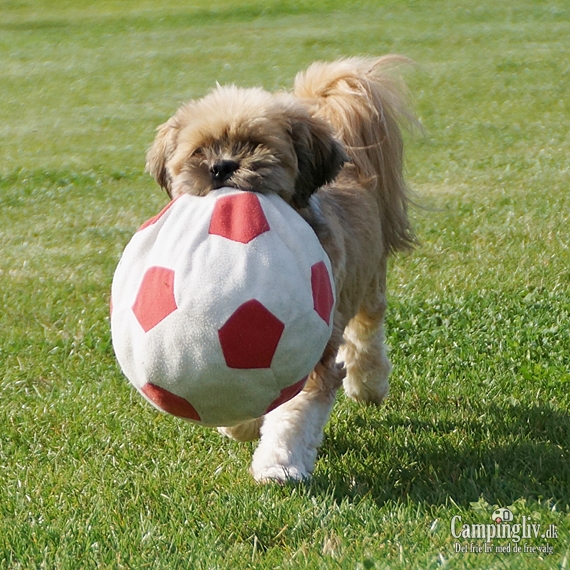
(333, 149)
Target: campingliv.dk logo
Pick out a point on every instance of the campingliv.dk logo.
(504, 529)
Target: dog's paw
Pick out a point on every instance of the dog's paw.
(280, 474)
(373, 393)
(247, 431)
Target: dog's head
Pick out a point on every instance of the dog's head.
(247, 139)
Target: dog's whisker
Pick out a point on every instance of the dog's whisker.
(367, 147)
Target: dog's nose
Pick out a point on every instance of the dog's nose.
(223, 169)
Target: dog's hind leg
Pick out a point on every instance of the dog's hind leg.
(363, 352)
(246, 431)
(292, 433)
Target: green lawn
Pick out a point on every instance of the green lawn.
(479, 323)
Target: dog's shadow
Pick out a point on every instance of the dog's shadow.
(512, 452)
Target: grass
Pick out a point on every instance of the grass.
(479, 413)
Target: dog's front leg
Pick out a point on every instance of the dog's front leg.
(292, 433)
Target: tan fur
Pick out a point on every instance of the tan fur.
(333, 149)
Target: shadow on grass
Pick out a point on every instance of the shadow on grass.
(508, 453)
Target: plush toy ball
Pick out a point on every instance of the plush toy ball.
(221, 306)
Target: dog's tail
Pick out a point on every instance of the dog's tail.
(366, 106)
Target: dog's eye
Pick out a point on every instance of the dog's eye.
(197, 152)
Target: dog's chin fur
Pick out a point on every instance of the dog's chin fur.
(333, 150)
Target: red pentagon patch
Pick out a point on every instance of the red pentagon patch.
(155, 298)
(323, 297)
(287, 394)
(155, 219)
(170, 403)
(250, 336)
(238, 217)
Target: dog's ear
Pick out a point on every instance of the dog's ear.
(319, 157)
(161, 150)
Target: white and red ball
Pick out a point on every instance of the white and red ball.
(221, 306)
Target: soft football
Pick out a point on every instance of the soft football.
(221, 306)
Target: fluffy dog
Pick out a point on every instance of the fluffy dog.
(333, 150)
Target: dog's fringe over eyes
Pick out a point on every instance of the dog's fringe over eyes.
(333, 149)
